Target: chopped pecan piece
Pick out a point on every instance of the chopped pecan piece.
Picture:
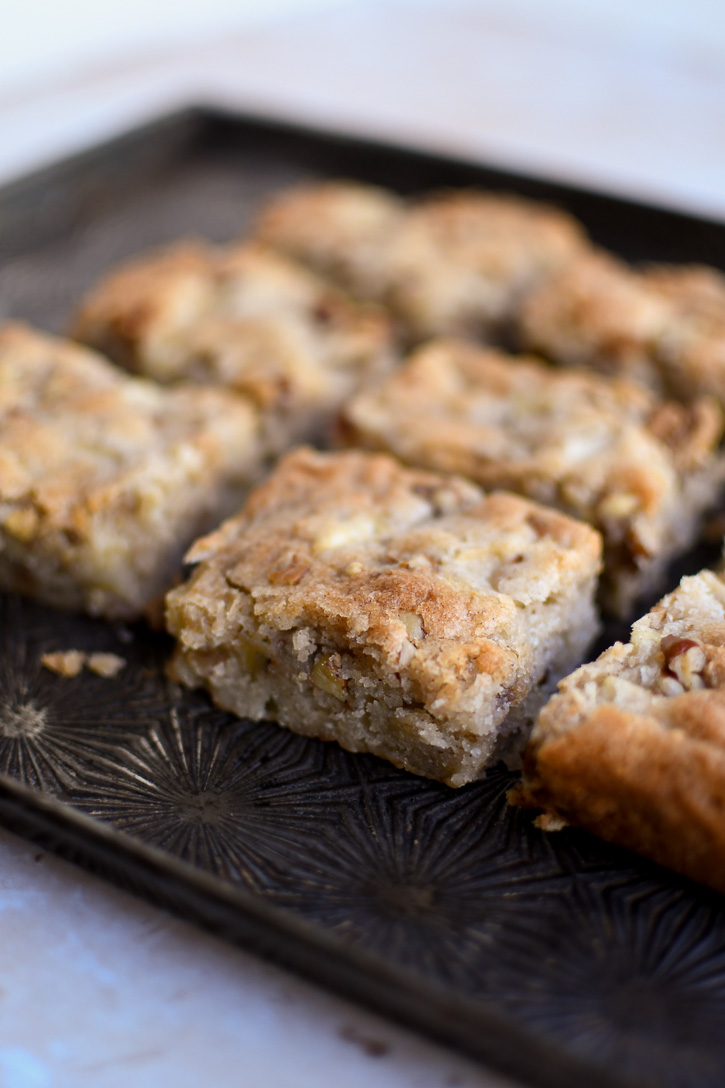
(685, 660)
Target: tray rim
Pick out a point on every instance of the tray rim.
(203, 112)
(508, 1047)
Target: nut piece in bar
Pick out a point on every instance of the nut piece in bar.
(452, 263)
(632, 748)
(395, 611)
(641, 470)
(663, 326)
(245, 318)
(106, 479)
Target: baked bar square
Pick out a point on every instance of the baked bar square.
(691, 352)
(640, 469)
(106, 479)
(452, 263)
(245, 318)
(395, 611)
(663, 325)
(632, 748)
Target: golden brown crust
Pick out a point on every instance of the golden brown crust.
(692, 350)
(639, 469)
(105, 478)
(504, 269)
(416, 586)
(596, 312)
(339, 228)
(658, 792)
(144, 302)
(633, 746)
(245, 318)
(663, 326)
(451, 263)
(697, 290)
(461, 262)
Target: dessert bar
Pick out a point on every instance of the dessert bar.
(632, 747)
(450, 263)
(395, 611)
(640, 469)
(245, 318)
(663, 325)
(106, 479)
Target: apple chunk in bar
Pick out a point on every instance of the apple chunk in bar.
(641, 470)
(394, 611)
(632, 748)
(106, 479)
(245, 318)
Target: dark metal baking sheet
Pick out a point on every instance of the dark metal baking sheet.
(556, 959)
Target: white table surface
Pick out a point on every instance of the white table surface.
(97, 989)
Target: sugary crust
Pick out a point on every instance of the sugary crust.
(136, 314)
(596, 312)
(461, 262)
(697, 290)
(633, 746)
(639, 469)
(663, 326)
(105, 479)
(451, 263)
(450, 605)
(245, 318)
(692, 350)
(339, 228)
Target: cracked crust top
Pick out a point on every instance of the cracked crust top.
(514, 422)
(72, 422)
(604, 450)
(596, 311)
(461, 262)
(692, 350)
(663, 326)
(339, 228)
(88, 455)
(377, 555)
(139, 312)
(246, 318)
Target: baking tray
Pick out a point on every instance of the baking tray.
(557, 959)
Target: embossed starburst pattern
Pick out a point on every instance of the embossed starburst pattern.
(426, 877)
(52, 729)
(239, 799)
(608, 957)
(634, 975)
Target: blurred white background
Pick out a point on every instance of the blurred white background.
(628, 95)
(48, 40)
(44, 40)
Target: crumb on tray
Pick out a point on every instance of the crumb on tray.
(70, 663)
(106, 665)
